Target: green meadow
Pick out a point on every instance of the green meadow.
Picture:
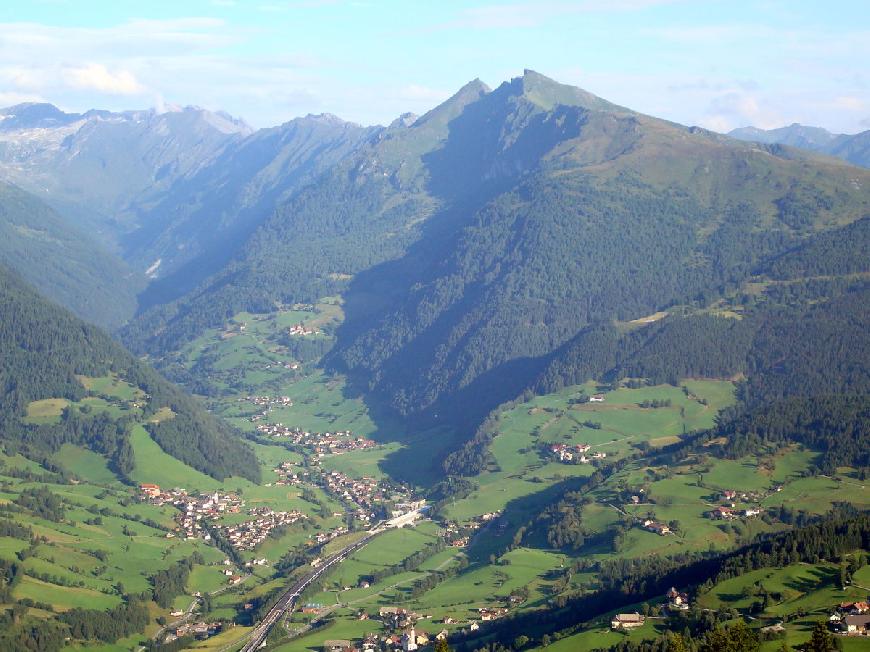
(523, 465)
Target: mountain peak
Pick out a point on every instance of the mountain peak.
(548, 93)
(475, 86)
(404, 120)
(795, 135)
(33, 115)
(453, 106)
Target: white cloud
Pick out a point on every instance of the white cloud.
(850, 103)
(737, 108)
(96, 76)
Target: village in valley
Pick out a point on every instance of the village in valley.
(199, 513)
(317, 443)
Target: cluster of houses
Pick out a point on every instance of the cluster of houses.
(301, 329)
(403, 635)
(268, 401)
(851, 619)
(674, 601)
(575, 454)
(491, 613)
(723, 513)
(458, 535)
(320, 443)
(406, 642)
(197, 510)
(200, 631)
(368, 495)
(325, 536)
(194, 510)
(249, 534)
(288, 474)
(364, 492)
(729, 510)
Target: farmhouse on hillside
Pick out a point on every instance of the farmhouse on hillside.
(627, 621)
(677, 601)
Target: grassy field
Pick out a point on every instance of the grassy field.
(47, 410)
(525, 430)
(111, 386)
(602, 637)
(154, 465)
(63, 598)
(255, 352)
(84, 463)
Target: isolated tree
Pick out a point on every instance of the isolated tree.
(736, 638)
(822, 640)
(677, 643)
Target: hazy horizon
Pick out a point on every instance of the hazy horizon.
(717, 65)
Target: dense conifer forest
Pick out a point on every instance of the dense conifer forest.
(44, 348)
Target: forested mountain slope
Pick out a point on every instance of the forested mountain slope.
(199, 223)
(64, 263)
(854, 148)
(474, 243)
(49, 359)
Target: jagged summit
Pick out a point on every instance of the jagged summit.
(795, 134)
(325, 118)
(854, 148)
(404, 120)
(316, 119)
(453, 106)
(547, 93)
(43, 115)
(32, 115)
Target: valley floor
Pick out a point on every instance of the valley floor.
(499, 548)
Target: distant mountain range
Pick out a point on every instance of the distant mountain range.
(854, 148)
(102, 168)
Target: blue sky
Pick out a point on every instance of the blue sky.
(716, 64)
